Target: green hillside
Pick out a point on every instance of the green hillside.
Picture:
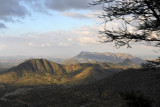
(44, 72)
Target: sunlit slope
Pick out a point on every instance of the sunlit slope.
(42, 72)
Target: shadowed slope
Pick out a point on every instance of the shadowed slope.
(103, 93)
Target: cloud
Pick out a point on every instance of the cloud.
(37, 5)
(63, 44)
(75, 15)
(10, 10)
(30, 44)
(87, 40)
(16, 10)
(2, 46)
(49, 42)
(63, 5)
(87, 15)
(45, 45)
(70, 39)
(2, 25)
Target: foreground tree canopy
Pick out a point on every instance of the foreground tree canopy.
(142, 16)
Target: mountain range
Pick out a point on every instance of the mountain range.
(102, 57)
(82, 57)
(43, 72)
(84, 68)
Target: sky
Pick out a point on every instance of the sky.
(56, 28)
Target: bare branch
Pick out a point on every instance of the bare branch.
(143, 15)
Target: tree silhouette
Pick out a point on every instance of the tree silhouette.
(151, 65)
(143, 16)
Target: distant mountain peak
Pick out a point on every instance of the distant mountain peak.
(83, 57)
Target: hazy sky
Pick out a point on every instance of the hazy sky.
(54, 28)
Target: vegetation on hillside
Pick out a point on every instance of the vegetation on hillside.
(44, 72)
